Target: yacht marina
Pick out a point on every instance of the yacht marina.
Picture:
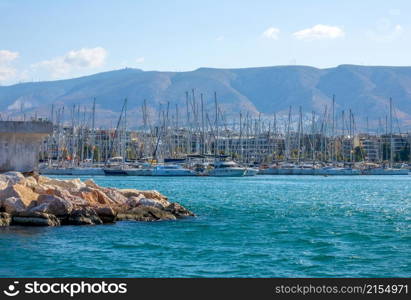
(203, 140)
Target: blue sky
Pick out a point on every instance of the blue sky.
(47, 40)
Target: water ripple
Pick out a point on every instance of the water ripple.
(268, 226)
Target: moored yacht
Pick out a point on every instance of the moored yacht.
(227, 169)
(287, 169)
(251, 172)
(80, 171)
(142, 170)
(171, 170)
(115, 167)
(337, 171)
(272, 170)
(117, 171)
(55, 171)
(87, 171)
(384, 171)
(304, 169)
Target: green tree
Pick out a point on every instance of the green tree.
(359, 153)
(404, 154)
(386, 151)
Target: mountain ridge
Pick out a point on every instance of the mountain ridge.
(364, 89)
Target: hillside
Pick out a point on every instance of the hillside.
(366, 90)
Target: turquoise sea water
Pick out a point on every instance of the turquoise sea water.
(263, 226)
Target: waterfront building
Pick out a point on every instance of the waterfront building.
(20, 144)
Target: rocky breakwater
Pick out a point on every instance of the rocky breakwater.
(41, 201)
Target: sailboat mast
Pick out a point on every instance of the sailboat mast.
(333, 131)
(391, 137)
(93, 138)
(203, 150)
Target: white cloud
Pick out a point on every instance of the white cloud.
(56, 66)
(271, 33)
(140, 60)
(220, 38)
(7, 56)
(7, 72)
(318, 32)
(85, 58)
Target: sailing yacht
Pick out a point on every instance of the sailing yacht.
(140, 170)
(384, 171)
(115, 167)
(330, 170)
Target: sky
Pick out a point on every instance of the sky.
(49, 40)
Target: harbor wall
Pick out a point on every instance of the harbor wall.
(20, 144)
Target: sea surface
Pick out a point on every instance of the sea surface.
(262, 226)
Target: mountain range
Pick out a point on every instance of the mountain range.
(363, 89)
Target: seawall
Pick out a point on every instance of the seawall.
(20, 143)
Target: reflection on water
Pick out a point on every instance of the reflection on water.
(23, 231)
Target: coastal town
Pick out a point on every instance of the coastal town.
(204, 139)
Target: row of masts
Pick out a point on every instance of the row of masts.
(204, 128)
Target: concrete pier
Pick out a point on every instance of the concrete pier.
(20, 144)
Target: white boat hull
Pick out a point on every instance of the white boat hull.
(227, 172)
(382, 171)
(269, 171)
(337, 171)
(165, 172)
(72, 171)
(87, 171)
(47, 171)
(251, 172)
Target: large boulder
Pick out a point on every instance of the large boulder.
(91, 183)
(3, 182)
(35, 219)
(106, 214)
(134, 201)
(5, 219)
(69, 185)
(150, 202)
(84, 216)
(12, 205)
(178, 210)
(115, 196)
(11, 178)
(52, 204)
(19, 191)
(93, 196)
(146, 214)
(31, 182)
(154, 195)
(130, 193)
(66, 195)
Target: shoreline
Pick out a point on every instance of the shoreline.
(35, 200)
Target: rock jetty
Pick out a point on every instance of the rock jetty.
(35, 200)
